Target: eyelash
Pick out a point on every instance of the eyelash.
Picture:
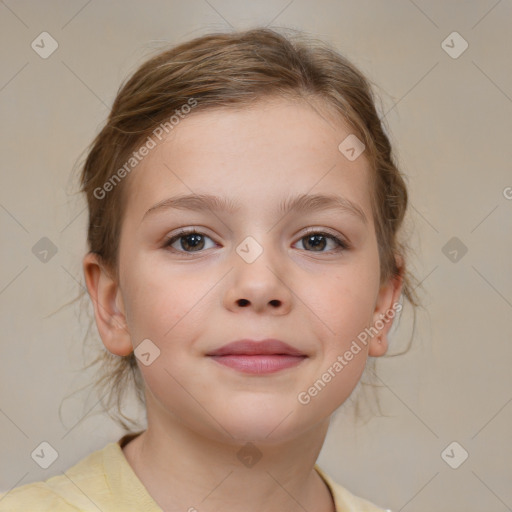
(341, 244)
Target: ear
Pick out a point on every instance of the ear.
(108, 306)
(385, 312)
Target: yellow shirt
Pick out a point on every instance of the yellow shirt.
(104, 481)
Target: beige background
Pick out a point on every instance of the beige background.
(451, 122)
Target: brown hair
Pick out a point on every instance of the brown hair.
(224, 70)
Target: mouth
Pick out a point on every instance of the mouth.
(258, 357)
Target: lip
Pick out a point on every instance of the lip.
(250, 348)
(258, 357)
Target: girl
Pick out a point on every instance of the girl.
(244, 215)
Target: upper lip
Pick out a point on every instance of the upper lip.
(251, 347)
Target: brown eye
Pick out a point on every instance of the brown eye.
(187, 241)
(318, 241)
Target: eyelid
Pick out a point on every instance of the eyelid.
(181, 232)
(327, 231)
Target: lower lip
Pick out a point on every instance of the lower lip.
(259, 364)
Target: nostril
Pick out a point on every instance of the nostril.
(243, 302)
(275, 302)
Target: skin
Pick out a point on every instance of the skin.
(201, 413)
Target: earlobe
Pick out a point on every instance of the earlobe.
(108, 306)
(384, 314)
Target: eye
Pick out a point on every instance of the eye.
(318, 240)
(188, 240)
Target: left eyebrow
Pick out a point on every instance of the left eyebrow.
(298, 204)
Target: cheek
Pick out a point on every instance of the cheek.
(344, 307)
(344, 300)
(344, 351)
(159, 304)
(174, 308)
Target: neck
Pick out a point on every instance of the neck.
(183, 470)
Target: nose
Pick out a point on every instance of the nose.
(261, 285)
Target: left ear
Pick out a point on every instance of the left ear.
(385, 311)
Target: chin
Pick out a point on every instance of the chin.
(274, 425)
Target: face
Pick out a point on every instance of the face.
(306, 276)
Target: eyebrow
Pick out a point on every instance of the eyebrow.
(298, 204)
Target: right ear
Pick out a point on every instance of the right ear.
(108, 305)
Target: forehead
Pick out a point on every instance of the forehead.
(248, 154)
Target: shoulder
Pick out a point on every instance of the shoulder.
(36, 497)
(73, 490)
(346, 501)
